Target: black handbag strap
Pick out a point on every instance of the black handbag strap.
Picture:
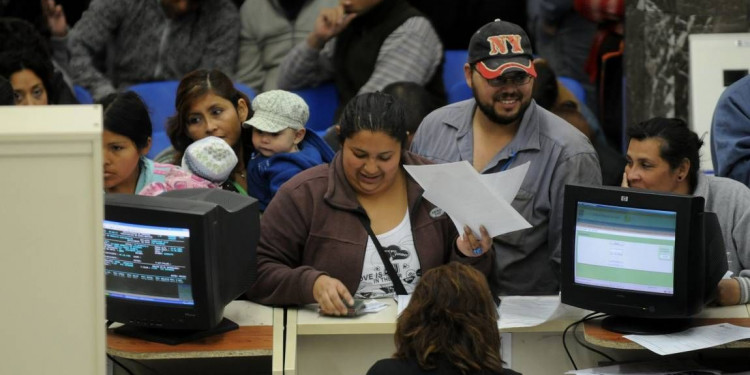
(397, 284)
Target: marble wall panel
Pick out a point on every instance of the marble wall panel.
(657, 50)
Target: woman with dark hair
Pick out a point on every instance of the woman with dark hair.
(126, 139)
(208, 104)
(25, 61)
(449, 327)
(331, 230)
(30, 76)
(663, 155)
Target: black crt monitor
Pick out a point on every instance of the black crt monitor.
(651, 260)
(174, 261)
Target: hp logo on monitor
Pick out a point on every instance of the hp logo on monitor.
(624, 198)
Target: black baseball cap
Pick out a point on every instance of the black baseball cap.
(499, 47)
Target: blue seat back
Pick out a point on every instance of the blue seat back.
(160, 100)
(575, 87)
(247, 90)
(460, 91)
(453, 73)
(323, 101)
(82, 95)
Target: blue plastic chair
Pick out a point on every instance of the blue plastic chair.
(575, 87)
(323, 101)
(247, 90)
(82, 95)
(159, 98)
(453, 71)
(460, 91)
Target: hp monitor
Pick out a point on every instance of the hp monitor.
(651, 260)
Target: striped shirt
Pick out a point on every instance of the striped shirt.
(411, 53)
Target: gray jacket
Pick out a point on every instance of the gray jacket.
(144, 45)
(730, 200)
(267, 36)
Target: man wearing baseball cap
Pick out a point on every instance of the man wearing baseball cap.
(502, 127)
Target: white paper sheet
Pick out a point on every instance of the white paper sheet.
(670, 366)
(529, 311)
(691, 339)
(505, 184)
(403, 301)
(373, 306)
(473, 199)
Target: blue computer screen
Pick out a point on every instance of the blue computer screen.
(147, 263)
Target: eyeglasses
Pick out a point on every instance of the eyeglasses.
(509, 80)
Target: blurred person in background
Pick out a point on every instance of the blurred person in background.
(26, 62)
(270, 29)
(145, 41)
(362, 46)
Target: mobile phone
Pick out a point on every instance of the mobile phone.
(356, 308)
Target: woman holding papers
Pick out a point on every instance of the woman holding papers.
(340, 230)
(449, 327)
(663, 155)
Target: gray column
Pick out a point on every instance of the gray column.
(656, 50)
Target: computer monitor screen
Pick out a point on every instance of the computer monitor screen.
(174, 261)
(651, 260)
(148, 263)
(640, 247)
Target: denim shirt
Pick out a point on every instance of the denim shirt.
(528, 260)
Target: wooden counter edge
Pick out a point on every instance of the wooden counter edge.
(246, 341)
(595, 334)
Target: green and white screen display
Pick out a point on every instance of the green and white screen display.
(625, 248)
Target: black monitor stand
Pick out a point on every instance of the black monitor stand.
(174, 337)
(644, 326)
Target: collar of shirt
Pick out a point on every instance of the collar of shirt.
(527, 138)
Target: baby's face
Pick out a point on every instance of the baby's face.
(269, 144)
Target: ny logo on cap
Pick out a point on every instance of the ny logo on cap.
(499, 44)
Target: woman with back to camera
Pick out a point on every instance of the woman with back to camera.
(126, 139)
(449, 327)
(208, 104)
(663, 156)
(314, 242)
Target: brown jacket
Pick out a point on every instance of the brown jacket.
(311, 228)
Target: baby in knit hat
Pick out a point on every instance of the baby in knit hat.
(207, 163)
(282, 145)
(210, 158)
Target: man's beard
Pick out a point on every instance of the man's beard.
(489, 110)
